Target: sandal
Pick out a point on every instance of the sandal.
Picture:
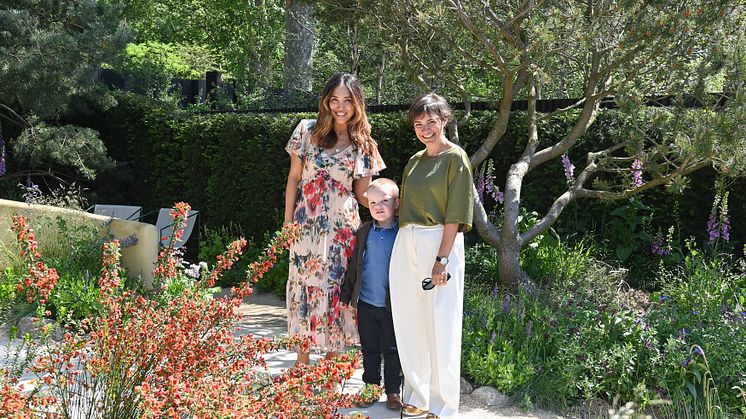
(431, 415)
(412, 410)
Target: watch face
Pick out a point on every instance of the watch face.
(442, 260)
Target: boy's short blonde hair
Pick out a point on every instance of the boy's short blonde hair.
(385, 185)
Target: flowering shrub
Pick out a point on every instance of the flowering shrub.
(145, 358)
(165, 268)
(40, 280)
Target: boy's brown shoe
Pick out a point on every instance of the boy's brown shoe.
(393, 401)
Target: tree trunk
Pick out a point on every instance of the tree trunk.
(509, 249)
(509, 256)
(300, 34)
(354, 48)
(381, 72)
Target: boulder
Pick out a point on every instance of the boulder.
(466, 387)
(489, 396)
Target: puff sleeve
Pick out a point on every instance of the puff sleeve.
(299, 140)
(368, 164)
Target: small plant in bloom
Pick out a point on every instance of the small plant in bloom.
(724, 219)
(166, 267)
(662, 246)
(637, 173)
(2, 156)
(569, 169)
(485, 184)
(718, 223)
(40, 280)
(369, 394)
(149, 359)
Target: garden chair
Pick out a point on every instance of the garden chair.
(125, 212)
(164, 224)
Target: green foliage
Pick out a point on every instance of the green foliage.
(702, 303)
(7, 292)
(49, 51)
(275, 279)
(624, 224)
(150, 67)
(66, 145)
(173, 60)
(75, 297)
(481, 266)
(74, 250)
(592, 337)
(233, 167)
(245, 37)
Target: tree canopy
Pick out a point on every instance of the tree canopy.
(592, 50)
(49, 54)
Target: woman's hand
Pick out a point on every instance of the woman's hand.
(439, 274)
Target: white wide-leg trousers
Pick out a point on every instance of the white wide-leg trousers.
(428, 323)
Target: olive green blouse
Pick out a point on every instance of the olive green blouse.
(437, 190)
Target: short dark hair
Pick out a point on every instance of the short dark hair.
(430, 104)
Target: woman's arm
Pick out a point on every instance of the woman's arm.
(291, 189)
(446, 244)
(360, 186)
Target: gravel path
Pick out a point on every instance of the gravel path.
(264, 315)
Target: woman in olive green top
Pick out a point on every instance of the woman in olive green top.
(427, 263)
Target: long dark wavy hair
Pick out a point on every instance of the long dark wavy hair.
(358, 128)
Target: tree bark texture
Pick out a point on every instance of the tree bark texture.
(300, 35)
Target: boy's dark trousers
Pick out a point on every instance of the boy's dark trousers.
(376, 329)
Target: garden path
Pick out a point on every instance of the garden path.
(264, 315)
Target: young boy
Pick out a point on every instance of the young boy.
(366, 286)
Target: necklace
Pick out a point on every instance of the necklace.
(337, 148)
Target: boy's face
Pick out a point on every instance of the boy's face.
(382, 205)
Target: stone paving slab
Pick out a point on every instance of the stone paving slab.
(265, 315)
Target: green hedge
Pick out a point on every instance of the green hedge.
(233, 167)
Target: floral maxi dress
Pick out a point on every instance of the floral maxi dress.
(327, 211)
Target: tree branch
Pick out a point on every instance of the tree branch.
(413, 75)
(464, 53)
(487, 231)
(498, 128)
(481, 37)
(613, 196)
(587, 116)
(23, 123)
(550, 218)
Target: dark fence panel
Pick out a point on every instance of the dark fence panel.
(196, 91)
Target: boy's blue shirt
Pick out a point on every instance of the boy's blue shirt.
(376, 259)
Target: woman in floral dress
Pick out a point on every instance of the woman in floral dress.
(332, 160)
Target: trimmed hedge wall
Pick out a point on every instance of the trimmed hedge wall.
(233, 167)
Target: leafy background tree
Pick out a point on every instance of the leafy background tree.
(246, 36)
(608, 48)
(50, 51)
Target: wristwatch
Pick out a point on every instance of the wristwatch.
(442, 260)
